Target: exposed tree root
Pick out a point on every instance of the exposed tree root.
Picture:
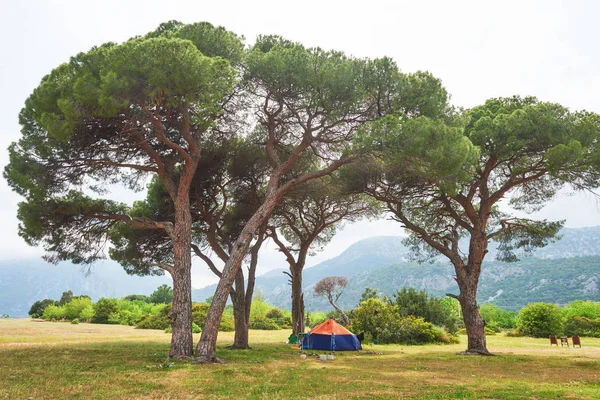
(208, 360)
(475, 352)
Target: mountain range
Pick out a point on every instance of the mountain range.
(566, 270)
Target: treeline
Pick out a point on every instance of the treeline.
(152, 312)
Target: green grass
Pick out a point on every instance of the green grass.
(60, 360)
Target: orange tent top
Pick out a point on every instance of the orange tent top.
(330, 327)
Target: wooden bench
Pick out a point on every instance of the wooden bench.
(576, 341)
(553, 340)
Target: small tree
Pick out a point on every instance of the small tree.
(65, 298)
(163, 294)
(333, 287)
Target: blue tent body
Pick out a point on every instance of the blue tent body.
(331, 336)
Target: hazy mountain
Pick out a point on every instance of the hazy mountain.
(563, 271)
(25, 281)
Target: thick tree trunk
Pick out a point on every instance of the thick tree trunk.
(240, 339)
(205, 350)
(474, 324)
(297, 301)
(467, 277)
(182, 342)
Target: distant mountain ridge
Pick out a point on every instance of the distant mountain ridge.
(565, 270)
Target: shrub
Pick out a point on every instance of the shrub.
(540, 320)
(227, 324)
(259, 307)
(579, 308)
(263, 323)
(408, 330)
(315, 318)
(53, 313)
(154, 321)
(496, 318)
(582, 326)
(488, 331)
(418, 304)
(75, 321)
(37, 308)
(196, 328)
(200, 311)
(162, 295)
(103, 309)
(76, 306)
(372, 316)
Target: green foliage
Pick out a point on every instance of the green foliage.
(81, 307)
(75, 321)
(139, 297)
(384, 322)
(156, 320)
(53, 313)
(315, 318)
(497, 318)
(419, 304)
(103, 309)
(37, 308)
(371, 316)
(580, 308)
(162, 295)
(540, 320)
(259, 307)
(196, 328)
(368, 294)
(263, 323)
(65, 298)
(582, 326)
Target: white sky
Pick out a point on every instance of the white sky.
(479, 49)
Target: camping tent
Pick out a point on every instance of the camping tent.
(330, 336)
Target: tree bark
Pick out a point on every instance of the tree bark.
(182, 342)
(205, 350)
(297, 301)
(240, 339)
(467, 277)
(474, 324)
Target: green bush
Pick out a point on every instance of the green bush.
(315, 318)
(488, 331)
(103, 309)
(75, 321)
(196, 328)
(580, 308)
(408, 330)
(263, 323)
(154, 321)
(418, 304)
(76, 306)
(540, 320)
(53, 313)
(372, 316)
(200, 311)
(37, 308)
(582, 326)
(496, 318)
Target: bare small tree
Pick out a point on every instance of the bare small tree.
(332, 287)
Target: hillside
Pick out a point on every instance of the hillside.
(566, 270)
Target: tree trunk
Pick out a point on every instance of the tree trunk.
(297, 301)
(205, 350)
(182, 342)
(467, 277)
(342, 313)
(473, 322)
(240, 339)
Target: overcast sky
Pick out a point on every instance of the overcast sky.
(480, 49)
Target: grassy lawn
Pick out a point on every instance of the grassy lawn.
(46, 360)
